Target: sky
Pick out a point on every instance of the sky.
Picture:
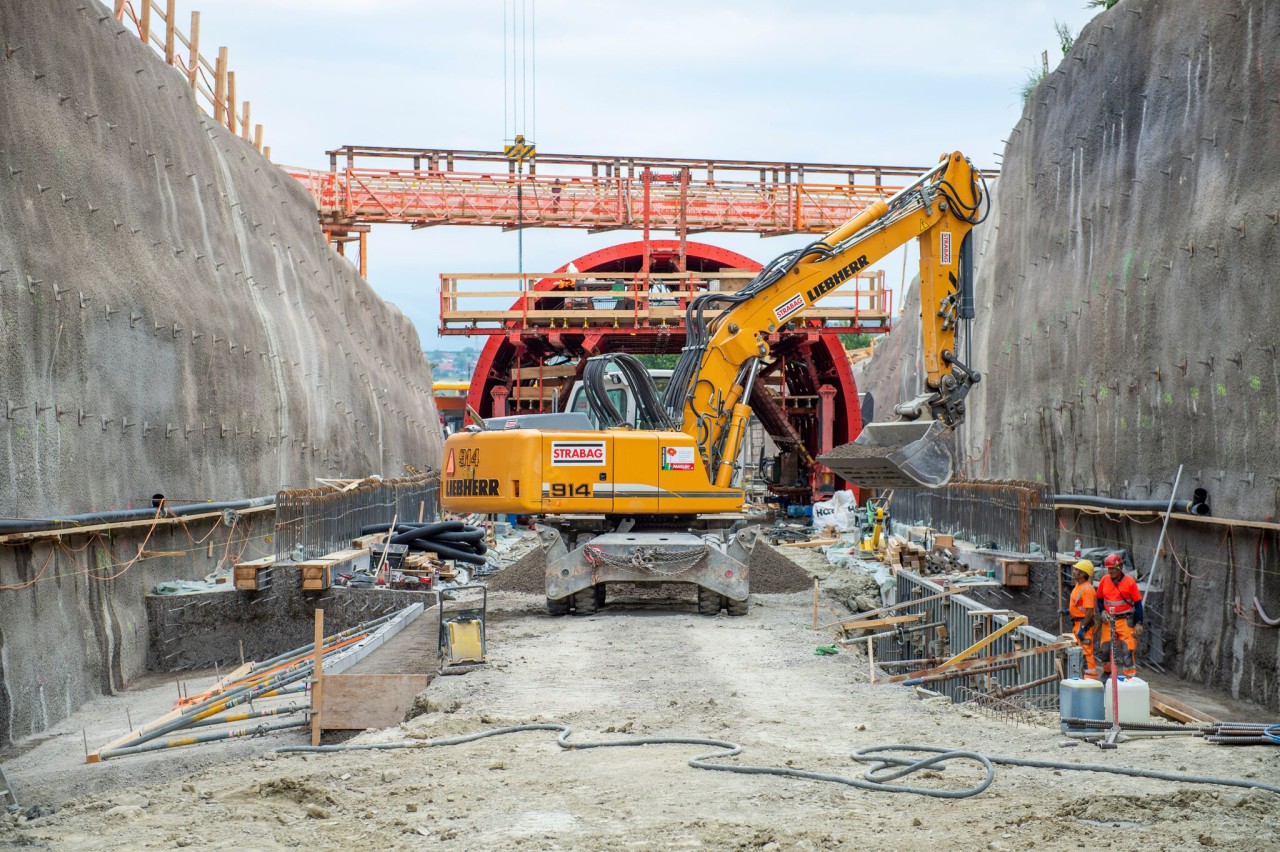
(833, 82)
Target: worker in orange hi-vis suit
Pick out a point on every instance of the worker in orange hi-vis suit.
(1119, 605)
(1083, 606)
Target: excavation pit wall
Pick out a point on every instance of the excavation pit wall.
(1126, 315)
(74, 621)
(203, 629)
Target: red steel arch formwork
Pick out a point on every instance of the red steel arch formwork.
(807, 399)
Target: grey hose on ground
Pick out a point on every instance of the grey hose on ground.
(874, 778)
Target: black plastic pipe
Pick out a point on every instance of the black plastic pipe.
(1189, 507)
(25, 525)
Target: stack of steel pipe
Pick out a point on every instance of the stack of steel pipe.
(280, 675)
(447, 539)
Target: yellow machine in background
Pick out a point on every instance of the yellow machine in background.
(657, 500)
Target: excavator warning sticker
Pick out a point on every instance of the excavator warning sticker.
(577, 453)
(678, 458)
(786, 309)
(944, 251)
(448, 466)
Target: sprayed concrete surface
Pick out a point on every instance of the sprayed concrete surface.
(172, 321)
(646, 670)
(1127, 316)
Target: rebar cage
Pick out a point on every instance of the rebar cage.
(1012, 514)
(311, 522)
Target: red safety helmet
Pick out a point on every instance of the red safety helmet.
(1113, 560)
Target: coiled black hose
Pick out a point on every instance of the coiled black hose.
(875, 777)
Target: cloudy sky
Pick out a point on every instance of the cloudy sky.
(838, 82)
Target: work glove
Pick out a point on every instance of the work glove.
(1137, 629)
(825, 650)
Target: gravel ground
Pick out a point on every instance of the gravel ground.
(648, 669)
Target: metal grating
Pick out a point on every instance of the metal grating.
(962, 630)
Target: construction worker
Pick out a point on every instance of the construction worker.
(1119, 608)
(1083, 608)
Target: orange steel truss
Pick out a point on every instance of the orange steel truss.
(425, 187)
(498, 303)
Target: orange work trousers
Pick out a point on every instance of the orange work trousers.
(1086, 645)
(1126, 647)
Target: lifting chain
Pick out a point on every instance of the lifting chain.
(651, 560)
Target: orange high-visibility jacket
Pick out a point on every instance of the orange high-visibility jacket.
(1118, 598)
(1083, 600)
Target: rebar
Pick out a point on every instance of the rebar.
(1012, 514)
(314, 521)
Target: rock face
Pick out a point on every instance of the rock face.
(1128, 309)
(174, 320)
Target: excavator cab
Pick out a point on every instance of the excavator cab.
(895, 454)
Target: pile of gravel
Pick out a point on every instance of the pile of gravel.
(526, 575)
(773, 572)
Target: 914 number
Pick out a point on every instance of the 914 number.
(563, 489)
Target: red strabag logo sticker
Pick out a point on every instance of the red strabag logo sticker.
(789, 307)
(578, 453)
(944, 250)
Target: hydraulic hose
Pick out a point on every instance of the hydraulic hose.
(875, 777)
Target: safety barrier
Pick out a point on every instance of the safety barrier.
(1011, 513)
(314, 521)
(212, 84)
(966, 622)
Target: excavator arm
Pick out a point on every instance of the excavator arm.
(713, 381)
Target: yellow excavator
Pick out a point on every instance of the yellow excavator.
(658, 500)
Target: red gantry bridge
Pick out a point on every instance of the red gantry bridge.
(628, 297)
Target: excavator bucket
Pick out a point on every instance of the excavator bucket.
(904, 454)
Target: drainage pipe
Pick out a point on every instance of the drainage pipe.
(26, 525)
(1188, 507)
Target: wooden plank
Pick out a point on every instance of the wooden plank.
(1011, 626)
(558, 371)
(1176, 516)
(1172, 708)
(145, 522)
(193, 69)
(257, 564)
(353, 702)
(884, 609)
(982, 661)
(872, 623)
(353, 654)
(317, 679)
(169, 28)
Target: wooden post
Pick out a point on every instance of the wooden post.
(119, 10)
(231, 102)
(144, 24)
(316, 677)
(220, 87)
(168, 30)
(193, 69)
(364, 255)
(257, 141)
(244, 122)
(815, 603)
(266, 149)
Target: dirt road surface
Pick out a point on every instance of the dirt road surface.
(642, 669)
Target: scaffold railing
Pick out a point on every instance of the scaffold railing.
(505, 303)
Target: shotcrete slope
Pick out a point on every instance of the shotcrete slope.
(174, 320)
(1127, 310)
(1128, 314)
